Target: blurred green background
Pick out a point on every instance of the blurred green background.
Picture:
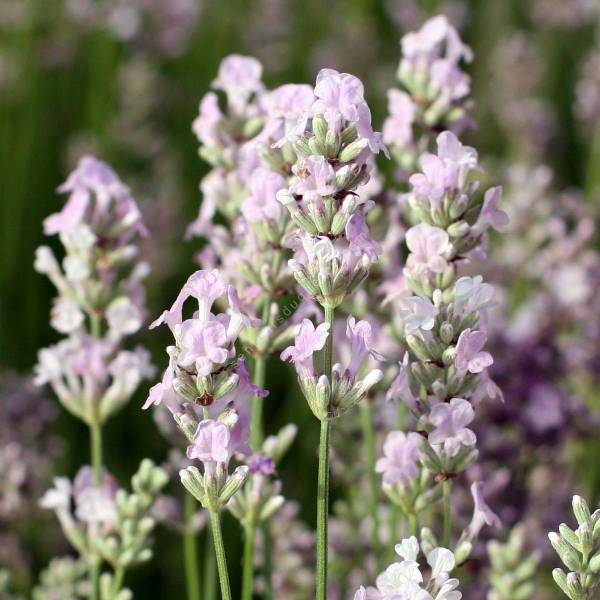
(79, 76)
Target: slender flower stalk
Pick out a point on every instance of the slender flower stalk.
(215, 527)
(371, 456)
(447, 495)
(334, 141)
(190, 551)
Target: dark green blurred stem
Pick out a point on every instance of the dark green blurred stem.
(413, 524)
(268, 566)
(370, 453)
(210, 580)
(248, 567)
(447, 492)
(190, 551)
(118, 579)
(323, 477)
(592, 179)
(217, 534)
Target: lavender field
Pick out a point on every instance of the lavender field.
(300, 299)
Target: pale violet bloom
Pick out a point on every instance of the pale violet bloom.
(469, 354)
(397, 128)
(450, 422)
(482, 513)
(261, 204)
(417, 315)
(491, 215)
(472, 295)
(400, 461)
(315, 178)
(446, 172)
(428, 247)
(211, 445)
(400, 389)
(307, 341)
(239, 77)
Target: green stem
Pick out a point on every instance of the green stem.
(447, 492)
(267, 567)
(370, 452)
(322, 510)
(215, 525)
(413, 524)
(95, 577)
(248, 567)
(323, 477)
(96, 450)
(190, 551)
(118, 580)
(210, 589)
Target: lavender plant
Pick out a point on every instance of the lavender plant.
(333, 253)
(100, 302)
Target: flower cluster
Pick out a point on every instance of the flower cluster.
(332, 397)
(101, 297)
(434, 90)
(203, 367)
(335, 144)
(579, 551)
(405, 579)
(441, 315)
(513, 571)
(104, 520)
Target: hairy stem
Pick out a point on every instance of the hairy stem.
(210, 588)
(370, 453)
(323, 477)
(248, 567)
(215, 525)
(447, 492)
(322, 510)
(190, 551)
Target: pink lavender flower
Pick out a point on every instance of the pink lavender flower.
(469, 354)
(397, 128)
(491, 215)
(239, 77)
(315, 178)
(261, 204)
(400, 389)
(98, 199)
(482, 513)
(357, 234)
(211, 445)
(206, 125)
(428, 247)
(308, 341)
(426, 45)
(401, 455)
(445, 172)
(360, 336)
(417, 314)
(205, 287)
(472, 295)
(450, 421)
